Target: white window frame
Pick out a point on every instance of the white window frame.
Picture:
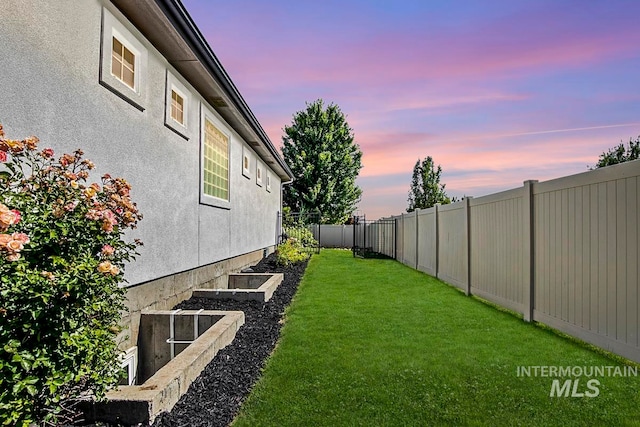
(268, 185)
(206, 199)
(259, 173)
(173, 84)
(112, 27)
(180, 105)
(246, 162)
(136, 59)
(129, 362)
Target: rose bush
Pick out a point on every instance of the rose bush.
(62, 254)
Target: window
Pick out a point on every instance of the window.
(268, 182)
(246, 162)
(177, 107)
(177, 111)
(259, 173)
(123, 63)
(215, 162)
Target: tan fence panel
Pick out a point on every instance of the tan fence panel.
(563, 252)
(452, 244)
(399, 237)
(335, 236)
(427, 241)
(385, 230)
(410, 247)
(586, 256)
(497, 262)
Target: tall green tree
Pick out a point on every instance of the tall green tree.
(320, 149)
(620, 154)
(426, 190)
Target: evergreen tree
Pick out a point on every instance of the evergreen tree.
(426, 189)
(320, 150)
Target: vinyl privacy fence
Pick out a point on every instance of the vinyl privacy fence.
(563, 252)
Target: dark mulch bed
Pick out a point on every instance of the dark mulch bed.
(216, 395)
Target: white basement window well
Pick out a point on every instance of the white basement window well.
(123, 65)
(214, 162)
(177, 99)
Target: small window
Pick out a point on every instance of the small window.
(123, 60)
(246, 162)
(215, 162)
(268, 182)
(123, 63)
(177, 110)
(177, 107)
(259, 174)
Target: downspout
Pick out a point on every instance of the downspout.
(279, 225)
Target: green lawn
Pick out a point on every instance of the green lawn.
(374, 343)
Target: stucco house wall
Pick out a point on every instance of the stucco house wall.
(56, 84)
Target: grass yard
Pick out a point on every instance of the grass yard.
(374, 343)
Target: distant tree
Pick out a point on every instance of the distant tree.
(620, 154)
(426, 189)
(320, 150)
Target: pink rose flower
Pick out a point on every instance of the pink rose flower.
(108, 215)
(93, 214)
(9, 218)
(47, 153)
(13, 257)
(107, 250)
(21, 237)
(69, 207)
(15, 246)
(17, 216)
(4, 239)
(3, 156)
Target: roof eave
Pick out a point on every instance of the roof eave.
(177, 37)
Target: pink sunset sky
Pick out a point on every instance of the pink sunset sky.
(497, 92)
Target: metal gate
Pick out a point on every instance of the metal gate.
(304, 227)
(374, 238)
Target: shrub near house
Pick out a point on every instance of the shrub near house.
(62, 255)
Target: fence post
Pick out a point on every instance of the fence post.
(395, 238)
(417, 211)
(467, 242)
(319, 233)
(528, 250)
(437, 245)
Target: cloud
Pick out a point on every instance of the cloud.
(496, 92)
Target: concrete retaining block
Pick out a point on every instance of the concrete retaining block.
(142, 403)
(245, 286)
